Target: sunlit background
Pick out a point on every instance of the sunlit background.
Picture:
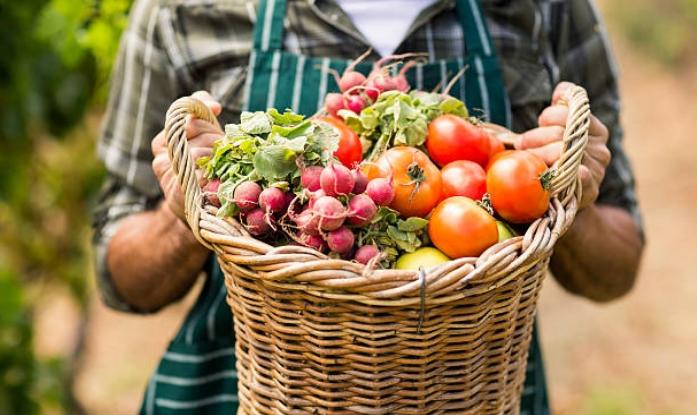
(61, 351)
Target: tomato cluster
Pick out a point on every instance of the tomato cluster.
(473, 164)
(463, 184)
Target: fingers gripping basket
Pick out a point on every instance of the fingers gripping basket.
(323, 336)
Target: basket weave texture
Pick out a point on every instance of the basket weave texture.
(322, 336)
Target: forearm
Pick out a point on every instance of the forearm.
(599, 256)
(153, 259)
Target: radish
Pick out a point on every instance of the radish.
(400, 81)
(246, 196)
(355, 103)
(257, 222)
(307, 222)
(330, 211)
(272, 199)
(372, 93)
(211, 190)
(365, 253)
(380, 190)
(380, 78)
(361, 210)
(336, 179)
(382, 82)
(309, 179)
(361, 182)
(314, 196)
(312, 241)
(333, 102)
(340, 240)
(351, 79)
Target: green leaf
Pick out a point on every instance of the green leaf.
(323, 141)
(369, 118)
(296, 145)
(426, 99)
(353, 121)
(226, 190)
(233, 130)
(227, 209)
(453, 106)
(255, 123)
(291, 131)
(248, 145)
(412, 224)
(396, 234)
(287, 118)
(406, 245)
(274, 162)
(201, 162)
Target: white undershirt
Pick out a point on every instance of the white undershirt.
(384, 23)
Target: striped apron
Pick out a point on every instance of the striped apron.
(197, 373)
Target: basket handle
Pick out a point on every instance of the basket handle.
(565, 180)
(183, 164)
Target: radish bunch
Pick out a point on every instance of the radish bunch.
(335, 202)
(261, 209)
(359, 91)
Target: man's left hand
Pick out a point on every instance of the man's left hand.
(546, 142)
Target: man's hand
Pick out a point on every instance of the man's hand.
(154, 258)
(599, 255)
(545, 141)
(201, 135)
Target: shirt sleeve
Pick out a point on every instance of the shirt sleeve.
(584, 57)
(143, 85)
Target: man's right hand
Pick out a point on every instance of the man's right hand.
(201, 135)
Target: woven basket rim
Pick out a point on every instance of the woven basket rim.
(302, 268)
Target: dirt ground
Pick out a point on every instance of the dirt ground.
(633, 356)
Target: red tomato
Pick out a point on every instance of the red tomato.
(495, 146)
(461, 228)
(463, 178)
(515, 186)
(350, 151)
(417, 181)
(496, 157)
(452, 138)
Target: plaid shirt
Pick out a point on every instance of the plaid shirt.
(175, 47)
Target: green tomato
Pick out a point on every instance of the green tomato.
(421, 258)
(505, 231)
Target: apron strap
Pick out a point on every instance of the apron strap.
(486, 69)
(477, 39)
(268, 30)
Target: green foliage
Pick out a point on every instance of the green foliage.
(393, 235)
(665, 30)
(265, 147)
(24, 381)
(56, 58)
(398, 118)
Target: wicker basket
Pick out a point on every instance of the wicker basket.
(323, 336)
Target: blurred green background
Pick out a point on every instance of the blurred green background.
(62, 352)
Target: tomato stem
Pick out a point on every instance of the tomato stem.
(417, 176)
(547, 177)
(485, 204)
